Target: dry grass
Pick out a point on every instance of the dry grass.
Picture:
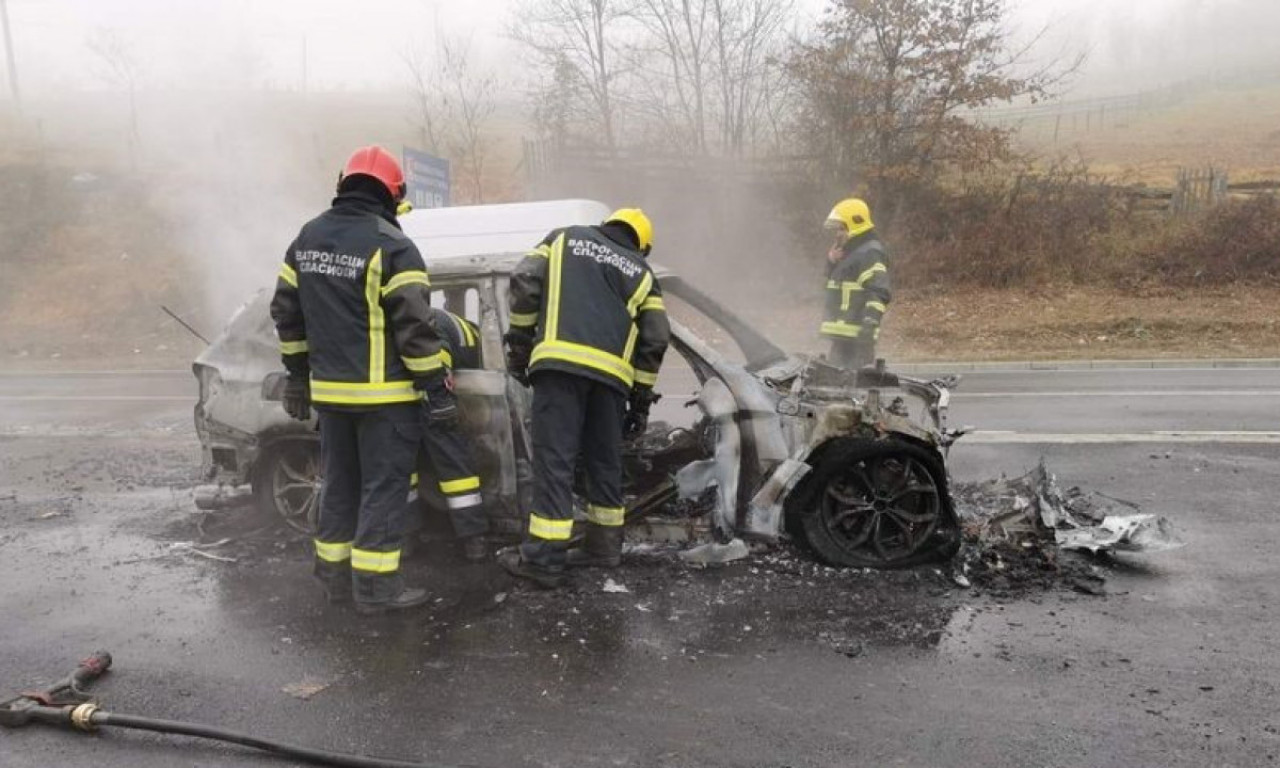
(1235, 129)
(1075, 323)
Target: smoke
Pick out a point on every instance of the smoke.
(235, 177)
(1141, 45)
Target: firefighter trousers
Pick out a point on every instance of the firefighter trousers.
(366, 458)
(572, 416)
(852, 354)
(450, 464)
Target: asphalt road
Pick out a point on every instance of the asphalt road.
(769, 662)
(1187, 404)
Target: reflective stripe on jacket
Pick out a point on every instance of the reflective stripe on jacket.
(593, 308)
(461, 340)
(352, 308)
(858, 290)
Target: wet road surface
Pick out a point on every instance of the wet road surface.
(768, 662)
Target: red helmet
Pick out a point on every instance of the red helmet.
(380, 164)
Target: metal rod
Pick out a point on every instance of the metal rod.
(184, 324)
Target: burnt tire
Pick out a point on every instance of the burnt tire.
(286, 483)
(875, 504)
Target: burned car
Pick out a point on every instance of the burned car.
(749, 442)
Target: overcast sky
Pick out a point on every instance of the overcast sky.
(358, 45)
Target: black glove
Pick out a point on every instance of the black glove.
(297, 397)
(636, 421)
(439, 405)
(518, 347)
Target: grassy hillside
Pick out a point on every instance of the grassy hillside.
(1237, 129)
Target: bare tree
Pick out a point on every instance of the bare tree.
(748, 35)
(675, 94)
(715, 59)
(578, 42)
(425, 89)
(454, 102)
(469, 104)
(120, 69)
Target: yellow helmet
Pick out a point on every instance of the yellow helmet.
(639, 223)
(852, 215)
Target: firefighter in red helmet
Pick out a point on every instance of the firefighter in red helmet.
(352, 310)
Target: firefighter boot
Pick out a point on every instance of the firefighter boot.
(383, 593)
(336, 580)
(602, 548)
(547, 577)
(474, 549)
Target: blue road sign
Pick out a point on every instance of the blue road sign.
(427, 179)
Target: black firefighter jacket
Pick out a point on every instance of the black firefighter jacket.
(593, 308)
(353, 308)
(461, 340)
(858, 291)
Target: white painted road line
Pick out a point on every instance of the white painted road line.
(90, 373)
(993, 437)
(1123, 393)
(98, 398)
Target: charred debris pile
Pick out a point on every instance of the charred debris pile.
(1027, 533)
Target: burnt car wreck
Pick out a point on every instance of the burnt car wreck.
(773, 445)
(850, 463)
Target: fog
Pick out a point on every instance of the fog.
(238, 148)
(327, 44)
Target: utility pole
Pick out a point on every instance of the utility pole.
(9, 56)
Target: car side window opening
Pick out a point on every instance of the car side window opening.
(462, 300)
(481, 301)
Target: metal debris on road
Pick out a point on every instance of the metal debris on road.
(1024, 531)
(1033, 505)
(714, 553)
(304, 689)
(1123, 533)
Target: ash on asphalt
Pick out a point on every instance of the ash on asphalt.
(656, 605)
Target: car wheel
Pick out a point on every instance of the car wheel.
(286, 483)
(876, 504)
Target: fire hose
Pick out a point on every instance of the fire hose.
(66, 703)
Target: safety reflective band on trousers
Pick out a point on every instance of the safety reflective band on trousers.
(608, 516)
(465, 501)
(375, 562)
(550, 530)
(332, 552)
(293, 347)
(460, 485)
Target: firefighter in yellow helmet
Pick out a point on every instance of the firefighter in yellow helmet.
(588, 331)
(858, 285)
